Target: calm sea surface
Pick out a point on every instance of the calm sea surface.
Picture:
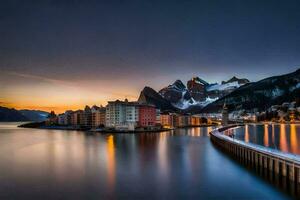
(54, 164)
(283, 137)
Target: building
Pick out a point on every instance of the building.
(147, 115)
(131, 115)
(61, 119)
(65, 118)
(52, 119)
(125, 115)
(166, 120)
(86, 118)
(98, 116)
(195, 121)
(122, 115)
(77, 118)
(157, 121)
(68, 114)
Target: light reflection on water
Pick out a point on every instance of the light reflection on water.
(53, 164)
(284, 137)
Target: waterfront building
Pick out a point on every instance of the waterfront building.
(147, 115)
(157, 118)
(175, 119)
(184, 120)
(98, 116)
(65, 118)
(87, 117)
(61, 119)
(195, 121)
(52, 119)
(181, 121)
(122, 114)
(166, 120)
(225, 115)
(131, 115)
(77, 118)
(292, 115)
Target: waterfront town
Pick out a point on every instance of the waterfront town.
(140, 116)
(124, 116)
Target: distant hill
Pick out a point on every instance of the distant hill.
(11, 115)
(261, 95)
(35, 115)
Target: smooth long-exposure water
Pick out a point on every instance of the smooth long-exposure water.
(54, 164)
(283, 137)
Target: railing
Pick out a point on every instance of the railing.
(284, 164)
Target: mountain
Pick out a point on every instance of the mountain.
(35, 115)
(261, 95)
(197, 88)
(149, 95)
(240, 81)
(178, 95)
(216, 91)
(191, 99)
(11, 115)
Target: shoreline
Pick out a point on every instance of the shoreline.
(41, 125)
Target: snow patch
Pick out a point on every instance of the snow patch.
(226, 86)
(277, 92)
(294, 87)
(184, 104)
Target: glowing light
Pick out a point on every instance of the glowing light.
(111, 165)
(266, 135)
(246, 133)
(283, 143)
(294, 142)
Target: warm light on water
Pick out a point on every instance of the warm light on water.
(54, 164)
(283, 137)
(111, 168)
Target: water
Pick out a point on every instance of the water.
(282, 137)
(54, 164)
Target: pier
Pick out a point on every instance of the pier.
(280, 163)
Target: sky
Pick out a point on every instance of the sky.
(64, 54)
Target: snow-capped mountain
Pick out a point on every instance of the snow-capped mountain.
(196, 95)
(178, 95)
(221, 87)
(262, 94)
(226, 87)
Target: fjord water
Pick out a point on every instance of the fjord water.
(57, 164)
(283, 137)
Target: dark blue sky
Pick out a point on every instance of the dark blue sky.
(137, 43)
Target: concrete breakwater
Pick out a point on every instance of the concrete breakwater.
(280, 163)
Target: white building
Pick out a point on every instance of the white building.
(122, 115)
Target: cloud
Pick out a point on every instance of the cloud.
(30, 76)
(68, 84)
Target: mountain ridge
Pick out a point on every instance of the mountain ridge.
(200, 96)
